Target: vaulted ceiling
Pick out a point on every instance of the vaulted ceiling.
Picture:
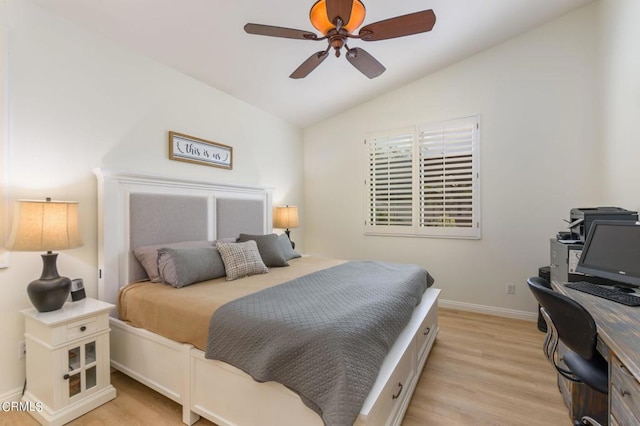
(205, 39)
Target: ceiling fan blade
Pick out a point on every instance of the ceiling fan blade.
(339, 9)
(400, 26)
(271, 31)
(365, 63)
(310, 64)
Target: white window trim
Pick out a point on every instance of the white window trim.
(415, 230)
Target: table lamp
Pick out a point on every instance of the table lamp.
(46, 226)
(284, 218)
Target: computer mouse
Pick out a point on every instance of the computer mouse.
(624, 289)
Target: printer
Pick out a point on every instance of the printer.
(581, 218)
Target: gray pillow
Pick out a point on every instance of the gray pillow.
(184, 266)
(241, 259)
(287, 250)
(269, 248)
(148, 255)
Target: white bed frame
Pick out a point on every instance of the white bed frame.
(213, 389)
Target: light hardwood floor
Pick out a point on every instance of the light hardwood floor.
(483, 370)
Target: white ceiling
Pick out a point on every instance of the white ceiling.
(205, 39)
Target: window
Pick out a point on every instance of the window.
(424, 180)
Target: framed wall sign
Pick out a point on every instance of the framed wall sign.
(199, 151)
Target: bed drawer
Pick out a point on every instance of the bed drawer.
(426, 331)
(393, 394)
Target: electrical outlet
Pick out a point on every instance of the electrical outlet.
(511, 288)
(22, 349)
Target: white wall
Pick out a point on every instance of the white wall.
(78, 102)
(539, 158)
(4, 160)
(619, 51)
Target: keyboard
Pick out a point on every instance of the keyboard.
(605, 293)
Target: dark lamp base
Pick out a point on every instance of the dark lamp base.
(49, 292)
(293, 245)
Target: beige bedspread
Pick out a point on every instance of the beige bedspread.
(183, 314)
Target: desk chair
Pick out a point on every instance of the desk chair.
(571, 323)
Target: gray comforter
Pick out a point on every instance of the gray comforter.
(323, 335)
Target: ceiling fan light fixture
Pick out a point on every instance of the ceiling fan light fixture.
(327, 16)
(320, 20)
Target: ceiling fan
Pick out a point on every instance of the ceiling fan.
(337, 20)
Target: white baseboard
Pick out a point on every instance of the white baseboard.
(489, 310)
(12, 395)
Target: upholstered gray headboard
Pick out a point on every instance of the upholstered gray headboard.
(136, 210)
(168, 218)
(162, 219)
(239, 216)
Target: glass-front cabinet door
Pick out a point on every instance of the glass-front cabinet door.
(82, 374)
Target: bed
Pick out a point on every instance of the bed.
(139, 210)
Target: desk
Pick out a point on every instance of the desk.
(619, 342)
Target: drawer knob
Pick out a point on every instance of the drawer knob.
(399, 392)
(427, 331)
(83, 328)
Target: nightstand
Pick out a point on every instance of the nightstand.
(68, 360)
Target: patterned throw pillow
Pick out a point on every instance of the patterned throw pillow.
(241, 259)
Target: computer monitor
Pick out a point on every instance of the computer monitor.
(612, 251)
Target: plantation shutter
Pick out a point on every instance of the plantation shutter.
(448, 176)
(424, 180)
(390, 179)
